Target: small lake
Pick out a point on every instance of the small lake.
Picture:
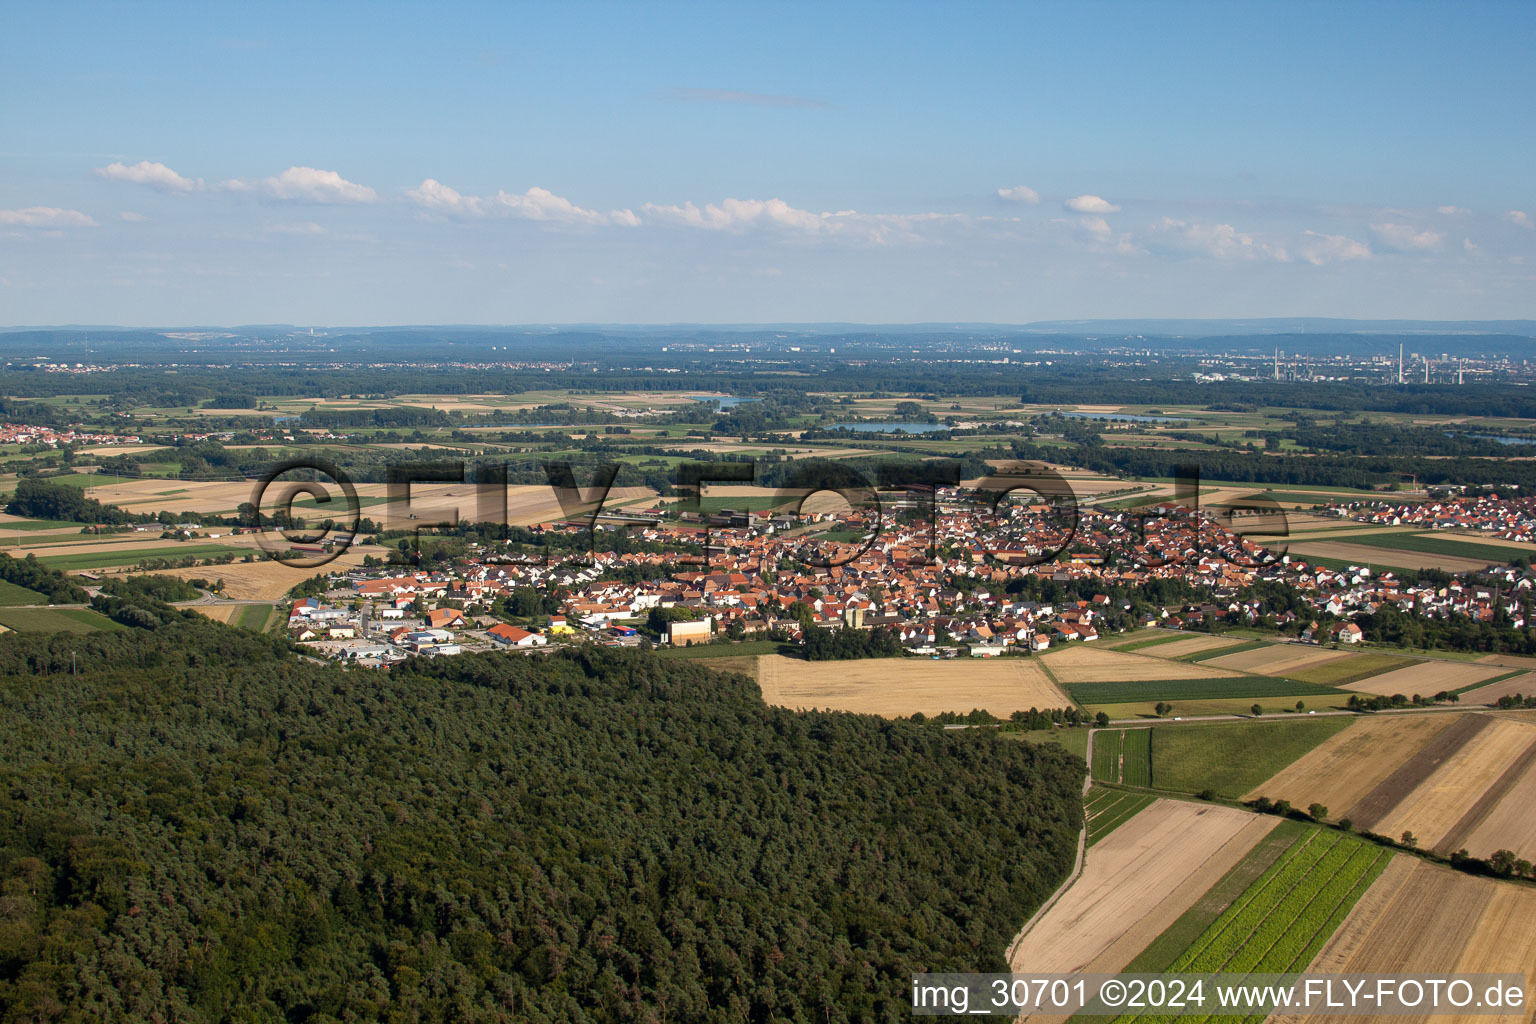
(726, 401)
(891, 427)
(1498, 438)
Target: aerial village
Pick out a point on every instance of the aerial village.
(940, 593)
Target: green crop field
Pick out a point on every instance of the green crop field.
(1108, 809)
(109, 557)
(255, 617)
(1191, 689)
(1349, 670)
(1322, 700)
(28, 525)
(1180, 935)
(1151, 641)
(1074, 741)
(1457, 547)
(1280, 922)
(11, 594)
(741, 650)
(1221, 652)
(1107, 747)
(54, 620)
(1233, 757)
(1136, 769)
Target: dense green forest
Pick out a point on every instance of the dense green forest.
(38, 499)
(53, 585)
(202, 827)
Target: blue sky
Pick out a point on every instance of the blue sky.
(356, 163)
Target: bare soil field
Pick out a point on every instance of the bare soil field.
(895, 687)
(1365, 554)
(1508, 660)
(1439, 803)
(1426, 677)
(1136, 882)
(1086, 663)
(1411, 772)
(1278, 659)
(1502, 818)
(1340, 771)
(1189, 645)
(1422, 918)
(1525, 683)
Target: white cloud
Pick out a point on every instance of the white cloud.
(1321, 249)
(1520, 219)
(1406, 238)
(1096, 226)
(152, 175)
(46, 217)
(537, 204)
(741, 215)
(305, 184)
(1091, 204)
(1019, 194)
(1217, 241)
(132, 218)
(301, 228)
(1452, 211)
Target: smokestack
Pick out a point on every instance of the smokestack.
(1277, 362)
(1426, 371)
(1399, 362)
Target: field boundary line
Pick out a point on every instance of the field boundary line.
(1484, 805)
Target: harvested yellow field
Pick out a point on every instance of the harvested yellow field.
(896, 687)
(121, 449)
(1279, 659)
(1508, 825)
(1426, 677)
(1437, 804)
(1136, 882)
(1525, 683)
(1189, 645)
(1422, 918)
(268, 581)
(1086, 663)
(526, 503)
(1342, 769)
(1504, 940)
(157, 495)
(150, 543)
(219, 612)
